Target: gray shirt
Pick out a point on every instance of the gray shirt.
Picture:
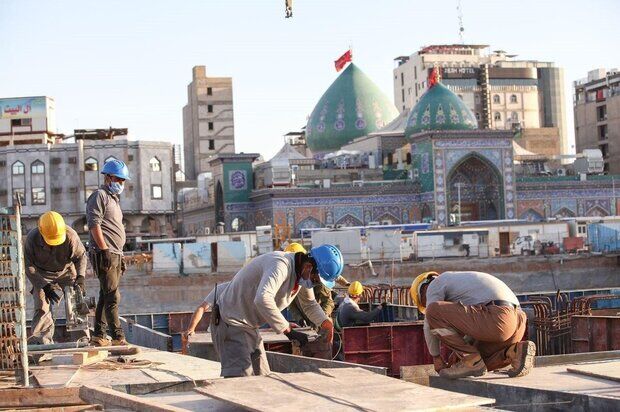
(259, 292)
(469, 288)
(104, 209)
(47, 264)
(350, 314)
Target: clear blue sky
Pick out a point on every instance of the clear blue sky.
(127, 63)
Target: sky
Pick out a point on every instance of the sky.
(127, 63)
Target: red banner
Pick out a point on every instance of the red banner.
(343, 60)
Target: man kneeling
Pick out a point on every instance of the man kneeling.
(478, 317)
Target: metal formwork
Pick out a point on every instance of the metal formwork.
(13, 346)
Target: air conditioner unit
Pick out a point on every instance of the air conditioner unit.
(207, 230)
(358, 183)
(329, 226)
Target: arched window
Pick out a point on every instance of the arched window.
(18, 168)
(91, 164)
(513, 98)
(497, 116)
(514, 116)
(37, 168)
(155, 164)
(110, 158)
(496, 98)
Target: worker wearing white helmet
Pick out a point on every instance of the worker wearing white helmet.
(478, 306)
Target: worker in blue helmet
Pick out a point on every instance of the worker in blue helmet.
(107, 239)
(257, 295)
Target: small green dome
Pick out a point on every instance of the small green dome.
(440, 109)
(352, 106)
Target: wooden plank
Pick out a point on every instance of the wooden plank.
(88, 358)
(344, 389)
(417, 374)
(119, 348)
(76, 408)
(110, 398)
(54, 376)
(39, 397)
(606, 370)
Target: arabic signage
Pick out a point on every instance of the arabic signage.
(20, 108)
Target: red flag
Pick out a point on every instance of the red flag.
(343, 60)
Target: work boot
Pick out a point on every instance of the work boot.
(99, 341)
(470, 365)
(119, 342)
(521, 355)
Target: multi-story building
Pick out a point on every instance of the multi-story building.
(61, 176)
(503, 92)
(597, 115)
(27, 120)
(208, 121)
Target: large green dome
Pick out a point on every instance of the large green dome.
(440, 109)
(352, 107)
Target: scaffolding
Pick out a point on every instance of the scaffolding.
(13, 345)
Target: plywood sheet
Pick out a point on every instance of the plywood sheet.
(602, 370)
(54, 376)
(341, 389)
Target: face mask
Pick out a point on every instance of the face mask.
(306, 283)
(116, 188)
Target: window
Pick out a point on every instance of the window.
(601, 113)
(415, 72)
(390, 159)
(37, 168)
(408, 158)
(211, 144)
(18, 168)
(513, 98)
(38, 195)
(210, 125)
(91, 164)
(21, 122)
(604, 150)
(602, 132)
(514, 116)
(210, 108)
(209, 91)
(110, 158)
(156, 192)
(155, 165)
(402, 79)
(496, 98)
(22, 195)
(477, 116)
(497, 116)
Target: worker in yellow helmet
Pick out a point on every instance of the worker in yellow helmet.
(481, 307)
(54, 258)
(350, 314)
(322, 293)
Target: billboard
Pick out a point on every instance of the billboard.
(22, 107)
(460, 72)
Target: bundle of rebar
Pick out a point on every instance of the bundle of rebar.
(13, 347)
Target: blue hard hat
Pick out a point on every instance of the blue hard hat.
(329, 262)
(116, 168)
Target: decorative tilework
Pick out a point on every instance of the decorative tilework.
(471, 143)
(454, 156)
(341, 211)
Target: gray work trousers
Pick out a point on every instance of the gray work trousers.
(42, 320)
(241, 350)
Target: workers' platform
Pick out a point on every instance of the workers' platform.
(567, 382)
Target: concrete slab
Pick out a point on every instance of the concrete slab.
(543, 389)
(192, 401)
(602, 370)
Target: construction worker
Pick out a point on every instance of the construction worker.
(256, 296)
(322, 293)
(107, 238)
(478, 317)
(349, 312)
(54, 257)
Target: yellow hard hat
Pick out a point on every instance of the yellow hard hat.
(52, 228)
(355, 289)
(295, 247)
(417, 284)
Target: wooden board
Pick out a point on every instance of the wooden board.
(88, 358)
(112, 399)
(39, 397)
(606, 370)
(341, 389)
(54, 376)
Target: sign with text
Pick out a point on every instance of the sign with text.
(20, 108)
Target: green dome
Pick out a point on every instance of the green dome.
(352, 107)
(440, 109)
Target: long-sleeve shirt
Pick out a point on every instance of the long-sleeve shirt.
(323, 297)
(261, 290)
(46, 264)
(469, 288)
(104, 209)
(350, 314)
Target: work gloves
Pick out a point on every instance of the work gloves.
(105, 259)
(79, 282)
(300, 337)
(50, 294)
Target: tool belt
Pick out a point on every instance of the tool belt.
(503, 303)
